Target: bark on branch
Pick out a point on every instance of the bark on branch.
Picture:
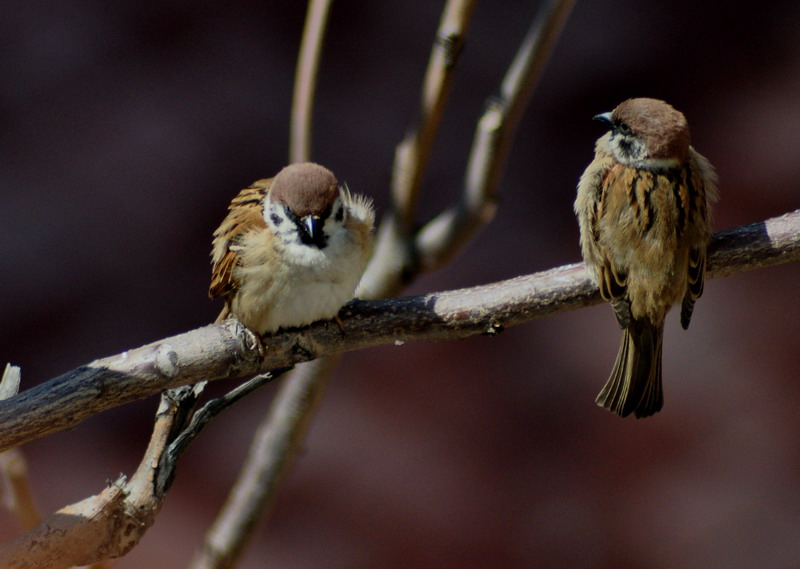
(229, 351)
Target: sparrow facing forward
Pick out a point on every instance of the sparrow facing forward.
(291, 250)
(643, 211)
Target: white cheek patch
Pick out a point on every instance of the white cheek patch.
(631, 151)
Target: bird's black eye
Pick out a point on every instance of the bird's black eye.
(622, 127)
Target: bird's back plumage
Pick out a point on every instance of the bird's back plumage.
(645, 227)
(244, 215)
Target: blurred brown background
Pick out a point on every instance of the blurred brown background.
(126, 128)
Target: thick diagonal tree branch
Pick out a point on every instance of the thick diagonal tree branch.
(229, 351)
(108, 524)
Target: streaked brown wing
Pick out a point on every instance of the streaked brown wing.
(613, 283)
(696, 273)
(701, 183)
(614, 289)
(696, 276)
(244, 215)
(698, 214)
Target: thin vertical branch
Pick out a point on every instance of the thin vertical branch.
(488, 156)
(394, 258)
(413, 153)
(305, 84)
(440, 239)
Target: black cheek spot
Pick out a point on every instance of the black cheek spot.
(275, 219)
(625, 147)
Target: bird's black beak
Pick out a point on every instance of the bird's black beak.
(604, 118)
(312, 226)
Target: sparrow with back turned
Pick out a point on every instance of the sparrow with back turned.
(643, 211)
(291, 250)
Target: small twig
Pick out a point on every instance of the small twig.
(413, 153)
(201, 418)
(394, 260)
(9, 383)
(444, 235)
(305, 82)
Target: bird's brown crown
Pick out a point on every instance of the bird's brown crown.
(663, 129)
(306, 188)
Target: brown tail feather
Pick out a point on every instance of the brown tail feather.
(635, 382)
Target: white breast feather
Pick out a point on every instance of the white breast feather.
(309, 284)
